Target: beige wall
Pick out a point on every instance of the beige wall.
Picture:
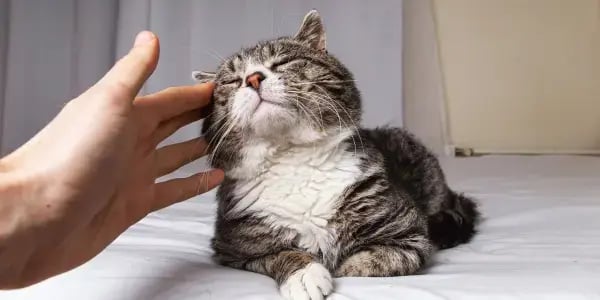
(422, 85)
(512, 76)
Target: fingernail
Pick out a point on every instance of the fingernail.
(144, 38)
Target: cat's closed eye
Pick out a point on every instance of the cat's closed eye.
(281, 62)
(232, 80)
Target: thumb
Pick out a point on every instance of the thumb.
(131, 72)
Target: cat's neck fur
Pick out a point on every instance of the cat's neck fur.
(258, 155)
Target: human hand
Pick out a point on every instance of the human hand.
(90, 174)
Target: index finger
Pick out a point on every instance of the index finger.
(174, 101)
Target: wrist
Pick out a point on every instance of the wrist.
(15, 244)
(9, 198)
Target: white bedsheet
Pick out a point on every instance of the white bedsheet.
(540, 240)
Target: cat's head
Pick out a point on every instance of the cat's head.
(286, 90)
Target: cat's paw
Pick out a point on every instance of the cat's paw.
(357, 265)
(312, 282)
(309, 243)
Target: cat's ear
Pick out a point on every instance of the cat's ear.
(203, 77)
(312, 31)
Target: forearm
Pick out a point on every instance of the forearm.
(16, 241)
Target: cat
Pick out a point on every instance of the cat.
(308, 194)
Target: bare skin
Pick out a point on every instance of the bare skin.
(90, 173)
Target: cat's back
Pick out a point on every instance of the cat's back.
(409, 165)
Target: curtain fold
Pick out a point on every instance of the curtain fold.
(133, 16)
(53, 51)
(4, 23)
(38, 67)
(94, 41)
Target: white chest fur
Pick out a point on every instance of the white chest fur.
(299, 189)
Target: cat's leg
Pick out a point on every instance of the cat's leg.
(386, 260)
(254, 246)
(297, 273)
(384, 236)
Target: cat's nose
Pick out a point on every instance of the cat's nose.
(255, 79)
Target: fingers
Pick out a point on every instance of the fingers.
(177, 190)
(175, 101)
(172, 157)
(165, 129)
(130, 72)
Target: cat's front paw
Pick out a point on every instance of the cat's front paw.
(312, 282)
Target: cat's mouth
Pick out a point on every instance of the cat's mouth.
(262, 102)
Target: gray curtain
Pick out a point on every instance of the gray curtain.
(4, 11)
(51, 50)
(54, 49)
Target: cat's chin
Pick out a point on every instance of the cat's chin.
(271, 120)
(269, 126)
(266, 110)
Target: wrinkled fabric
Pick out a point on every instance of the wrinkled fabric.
(540, 239)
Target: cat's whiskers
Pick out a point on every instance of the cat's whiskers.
(355, 126)
(207, 149)
(300, 96)
(325, 94)
(339, 117)
(310, 115)
(317, 99)
(318, 106)
(216, 55)
(229, 129)
(208, 152)
(217, 135)
(314, 99)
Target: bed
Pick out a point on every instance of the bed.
(540, 240)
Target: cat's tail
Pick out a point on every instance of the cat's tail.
(455, 223)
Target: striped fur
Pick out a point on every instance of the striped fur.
(308, 194)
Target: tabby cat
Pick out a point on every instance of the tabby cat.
(308, 194)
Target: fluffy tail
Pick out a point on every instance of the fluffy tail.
(455, 223)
